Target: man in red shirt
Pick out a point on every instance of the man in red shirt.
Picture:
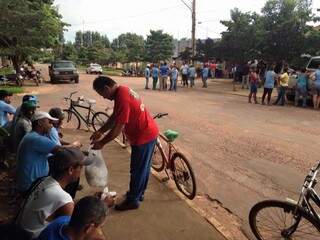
(130, 115)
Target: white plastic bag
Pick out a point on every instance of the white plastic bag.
(97, 172)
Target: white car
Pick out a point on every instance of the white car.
(94, 68)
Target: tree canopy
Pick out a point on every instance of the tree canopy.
(26, 26)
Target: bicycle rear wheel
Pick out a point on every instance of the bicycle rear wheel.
(273, 219)
(157, 159)
(99, 119)
(183, 175)
(72, 121)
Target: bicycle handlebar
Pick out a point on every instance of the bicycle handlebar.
(72, 93)
(160, 115)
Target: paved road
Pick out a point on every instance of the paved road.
(241, 152)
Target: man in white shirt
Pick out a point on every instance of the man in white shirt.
(47, 199)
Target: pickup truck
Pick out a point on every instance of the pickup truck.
(63, 70)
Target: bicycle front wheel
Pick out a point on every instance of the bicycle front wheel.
(183, 175)
(157, 159)
(273, 219)
(99, 119)
(71, 121)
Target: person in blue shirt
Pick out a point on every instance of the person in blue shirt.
(174, 78)
(5, 107)
(205, 73)
(155, 75)
(192, 75)
(301, 88)
(269, 84)
(33, 151)
(88, 216)
(316, 89)
(164, 72)
(147, 75)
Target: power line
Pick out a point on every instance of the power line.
(188, 6)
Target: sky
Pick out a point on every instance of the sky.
(112, 18)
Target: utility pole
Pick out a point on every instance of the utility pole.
(193, 32)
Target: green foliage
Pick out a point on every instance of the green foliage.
(130, 48)
(186, 55)
(26, 26)
(159, 46)
(280, 32)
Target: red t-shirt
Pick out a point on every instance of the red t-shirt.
(140, 127)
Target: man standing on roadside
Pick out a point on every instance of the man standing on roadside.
(130, 115)
(164, 71)
(155, 75)
(147, 75)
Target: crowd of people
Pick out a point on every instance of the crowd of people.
(278, 77)
(48, 168)
(188, 73)
(47, 175)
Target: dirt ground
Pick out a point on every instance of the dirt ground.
(241, 153)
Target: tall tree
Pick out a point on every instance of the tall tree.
(131, 45)
(26, 26)
(159, 46)
(285, 27)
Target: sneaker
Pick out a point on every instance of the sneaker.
(126, 205)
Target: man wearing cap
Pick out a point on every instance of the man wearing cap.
(23, 125)
(5, 107)
(48, 200)
(25, 98)
(130, 115)
(33, 150)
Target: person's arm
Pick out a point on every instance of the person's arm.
(9, 109)
(107, 126)
(115, 131)
(65, 210)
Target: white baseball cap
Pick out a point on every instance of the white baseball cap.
(41, 115)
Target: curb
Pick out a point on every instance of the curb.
(211, 220)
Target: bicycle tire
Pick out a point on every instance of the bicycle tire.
(71, 119)
(281, 210)
(157, 160)
(185, 174)
(99, 119)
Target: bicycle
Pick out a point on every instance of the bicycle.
(73, 116)
(167, 157)
(298, 219)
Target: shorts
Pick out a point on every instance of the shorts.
(253, 88)
(315, 89)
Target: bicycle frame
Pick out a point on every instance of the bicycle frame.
(172, 149)
(307, 193)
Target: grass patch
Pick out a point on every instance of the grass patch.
(6, 70)
(12, 89)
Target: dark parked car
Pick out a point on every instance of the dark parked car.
(63, 70)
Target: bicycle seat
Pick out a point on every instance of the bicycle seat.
(171, 135)
(91, 101)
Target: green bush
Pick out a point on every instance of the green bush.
(6, 70)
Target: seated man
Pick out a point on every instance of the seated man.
(48, 200)
(32, 162)
(23, 125)
(5, 108)
(88, 215)
(25, 98)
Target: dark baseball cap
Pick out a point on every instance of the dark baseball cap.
(68, 157)
(57, 113)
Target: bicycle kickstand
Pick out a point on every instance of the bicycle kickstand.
(166, 179)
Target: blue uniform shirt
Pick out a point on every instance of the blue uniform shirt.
(155, 72)
(164, 70)
(205, 72)
(32, 161)
(5, 108)
(54, 136)
(54, 230)
(147, 73)
(269, 83)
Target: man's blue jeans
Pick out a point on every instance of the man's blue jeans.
(141, 156)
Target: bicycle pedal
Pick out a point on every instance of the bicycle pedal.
(165, 179)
